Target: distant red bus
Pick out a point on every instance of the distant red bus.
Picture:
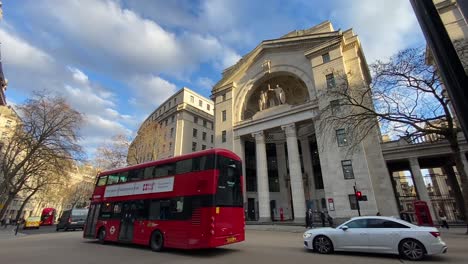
(189, 201)
(48, 216)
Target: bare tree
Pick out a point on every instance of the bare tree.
(46, 137)
(406, 98)
(114, 154)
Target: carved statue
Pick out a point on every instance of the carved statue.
(262, 101)
(279, 93)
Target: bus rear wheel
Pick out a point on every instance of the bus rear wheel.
(157, 241)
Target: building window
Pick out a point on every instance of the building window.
(208, 107)
(223, 136)
(195, 119)
(169, 105)
(165, 122)
(330, 80)
(172, 119)
(224, 115)
(194, 146)
(172, 131)
(192, 99)
(204, 123)
(204, 135)
(212, 138)
(195, 131)
(341, 137)
(200, 103)
(203, 147)
(347, 169)
(326, 57)
(170, 145)
(352, 201)
(175, 101)
(224, 97)
(335, 106)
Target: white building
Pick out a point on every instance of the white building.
(180, 125)
(289, 163)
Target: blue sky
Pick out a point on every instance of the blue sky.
(117, 60)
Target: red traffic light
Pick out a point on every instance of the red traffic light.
(358, 195)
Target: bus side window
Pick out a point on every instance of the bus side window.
(154, 210)
(135, 175)
(117, 210)
(165, 170)
(183, 166)
(102, 181)
(111, 179)
(165, 210)
(149, 172)
(123, 176)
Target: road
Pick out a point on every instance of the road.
(260, 247)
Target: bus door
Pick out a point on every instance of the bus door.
(126, 221)
(91, 221)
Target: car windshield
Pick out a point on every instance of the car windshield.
(34, 218)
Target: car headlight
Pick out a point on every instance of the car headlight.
(306, 235)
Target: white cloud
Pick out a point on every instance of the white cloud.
(78, 75)
(205, 83)
(150, 91)
(18, 53)
(384, 26)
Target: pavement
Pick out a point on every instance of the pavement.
(9, 233)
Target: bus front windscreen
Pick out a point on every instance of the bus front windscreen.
(229, 191)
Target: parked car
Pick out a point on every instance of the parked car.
(72, 219)
(32, 222)
(377, 234)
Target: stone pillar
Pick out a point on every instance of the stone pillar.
(263, 189)
(465, 162)
(308, 169)
(297, 185)
(239, 149)
(285, 203)
(421, 185)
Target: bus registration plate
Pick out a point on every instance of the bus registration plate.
(231, 239)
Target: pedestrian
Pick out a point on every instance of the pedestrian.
(443, 220)
(378, 214)
(7, 222)
(330, 220)
(307, 218)
(322, 217)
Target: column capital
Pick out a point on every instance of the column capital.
(259, 136)
(289, 130)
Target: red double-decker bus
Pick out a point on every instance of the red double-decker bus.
(189, 201)
(48, 216)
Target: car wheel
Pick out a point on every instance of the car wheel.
(102, 236)
(411, 249)
(323, 245)
(157, 241)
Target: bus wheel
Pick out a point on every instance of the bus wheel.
(102, 236)
(157, 241)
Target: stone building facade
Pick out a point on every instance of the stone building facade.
(180, 125)
(268, 110)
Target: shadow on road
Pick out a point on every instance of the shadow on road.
(197, 253)
(376, 256)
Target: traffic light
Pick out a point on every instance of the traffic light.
(359, 195)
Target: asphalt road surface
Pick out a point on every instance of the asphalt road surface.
(265, 247)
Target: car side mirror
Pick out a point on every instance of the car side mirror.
(344, 228)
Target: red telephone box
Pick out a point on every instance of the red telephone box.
(423, 215)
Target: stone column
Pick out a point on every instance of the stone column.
(282, 171)
(263, 189)
(421, 185)
(297, 186)
(239, 149)
(308, 169)
(465, 161)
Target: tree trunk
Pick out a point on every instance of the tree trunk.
(5, 205)
(457, 156)
(18, 215)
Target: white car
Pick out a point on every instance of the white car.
(377, 234)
